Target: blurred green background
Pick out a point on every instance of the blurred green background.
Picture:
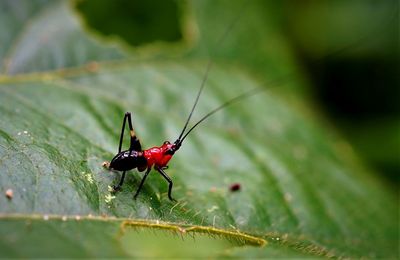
(348, 49)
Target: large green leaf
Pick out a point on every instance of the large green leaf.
(302, 189)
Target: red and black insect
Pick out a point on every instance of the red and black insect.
(143, 160)
(159, 156)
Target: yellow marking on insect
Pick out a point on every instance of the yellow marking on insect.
(132, 133)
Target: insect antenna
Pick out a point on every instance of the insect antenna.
(178, 141)
(196, 100)
(256, 90)
(227, 103)
(233, 100)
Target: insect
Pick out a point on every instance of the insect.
(157, 157)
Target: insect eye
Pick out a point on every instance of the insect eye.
(167, 142)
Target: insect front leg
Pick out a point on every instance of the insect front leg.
(164, 174)
(135, 143)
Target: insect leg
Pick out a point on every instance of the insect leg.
(164, 174)
(141, 183)
(121, 181)
(135, 143)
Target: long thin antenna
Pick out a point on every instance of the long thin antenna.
(205, 77)
(227, 103)
(197, 97)
(257, 90)
(233, 100)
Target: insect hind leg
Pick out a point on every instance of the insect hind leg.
(135, 143)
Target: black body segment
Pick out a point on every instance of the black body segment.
(128, 160)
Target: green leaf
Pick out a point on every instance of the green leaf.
(303, 191)
(45, 35)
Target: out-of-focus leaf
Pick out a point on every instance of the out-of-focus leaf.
(45, 35)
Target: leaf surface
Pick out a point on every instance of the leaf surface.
(302, 189)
